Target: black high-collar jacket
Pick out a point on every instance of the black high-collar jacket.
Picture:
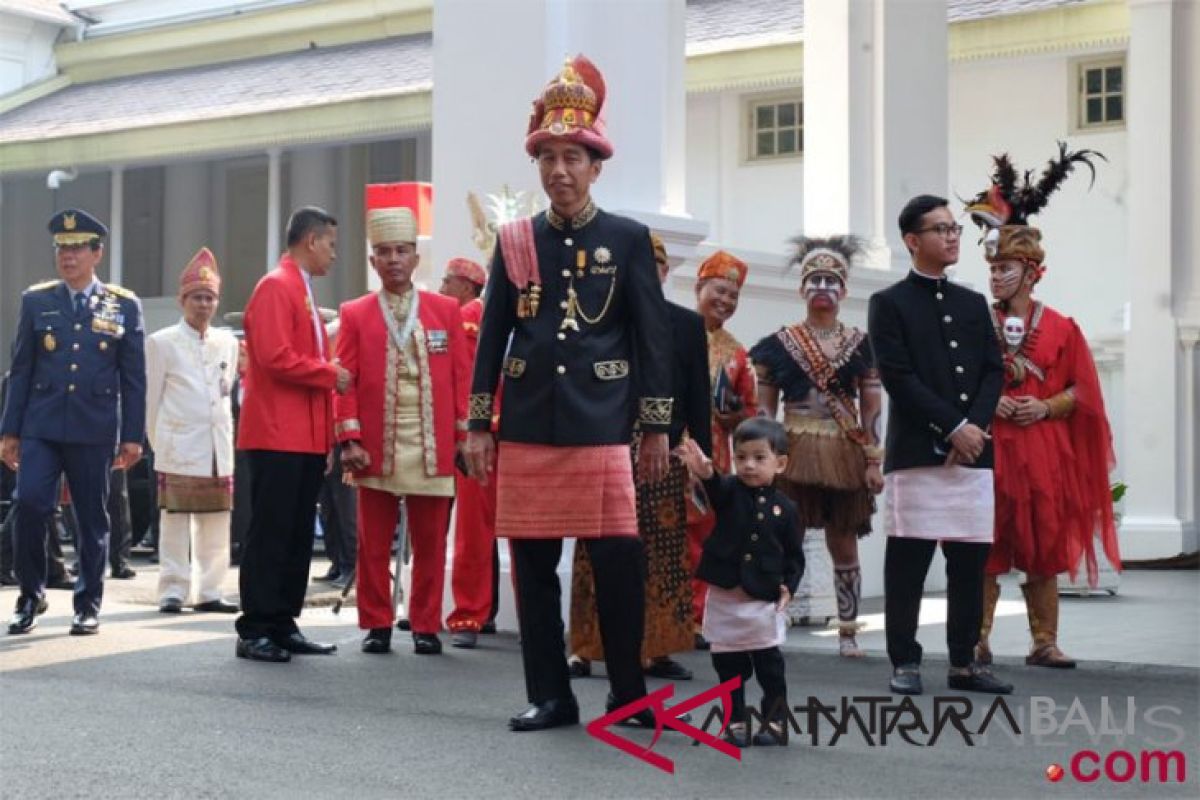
(940, 363)
(755, 543)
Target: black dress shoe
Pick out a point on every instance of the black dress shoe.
(906, 679)
(579, 667)
(262, 649)
(299, 644)
(426, 644)
(217, 606)
(668, 669)
(24, 618)
(488, 627)
(543, 716)
(123, 573)
(465, 640)
(738, 734)
(331, 575)
(773, 734)
(978, 678)
(84, 624)
(700, 642)
(171, 605)
(403, 624)
(378, 641)
(642, 719)
(342, 581)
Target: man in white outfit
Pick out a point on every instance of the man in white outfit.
(191, 369)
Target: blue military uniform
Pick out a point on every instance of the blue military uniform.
(77, 388)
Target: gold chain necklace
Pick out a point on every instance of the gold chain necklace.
(574, 306)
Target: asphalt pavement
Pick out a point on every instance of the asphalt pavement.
(158, 706)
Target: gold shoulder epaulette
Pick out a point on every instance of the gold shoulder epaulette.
(120, 291)
(37, 287)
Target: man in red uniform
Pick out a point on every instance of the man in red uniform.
(474, 575)
(398, 424)
(1052, 440)
(286, 429)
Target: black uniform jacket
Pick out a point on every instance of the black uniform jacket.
(756, 542)
(940, 363)
(571, 387)
(690, 384)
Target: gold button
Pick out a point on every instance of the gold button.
(947, 318)
(563, 305)
(964, 397)
(762, 499)
(566, 273)
(568, 241)
(561, 336)
(760, 515)
(959, 370)
(74, 367)
(953, 343)
(78, 326)
(561, 369)
(749, 557)
(71, 387)
(75, 346)
(754, 537)
(938, 296)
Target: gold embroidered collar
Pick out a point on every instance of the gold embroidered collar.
(586, 215)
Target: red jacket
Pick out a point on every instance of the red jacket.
(445, 364)
(288, 404)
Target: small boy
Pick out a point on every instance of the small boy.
(752, 562)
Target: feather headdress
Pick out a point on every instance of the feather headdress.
(831, 255)
(1013, 199)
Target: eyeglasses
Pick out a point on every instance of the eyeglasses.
(943, 230)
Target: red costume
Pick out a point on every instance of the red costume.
(474, 524)
(1052, 492)
(288, 383)
(1052, 441)
(368, 413)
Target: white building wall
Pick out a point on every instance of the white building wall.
(750, 205)
(1084, 232)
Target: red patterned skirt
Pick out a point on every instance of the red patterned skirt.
(548, 492)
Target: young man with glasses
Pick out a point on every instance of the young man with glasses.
(940, 364)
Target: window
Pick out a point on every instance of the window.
(1101, 94)
(776, 128)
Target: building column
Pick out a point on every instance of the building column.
(116, 229)
(876, 120)
(1151, 526)
(186, 218)
(274, 205)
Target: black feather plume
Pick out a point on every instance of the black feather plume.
(1032, 197)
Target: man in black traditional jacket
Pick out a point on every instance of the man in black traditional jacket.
(940, 363)
(576, 290)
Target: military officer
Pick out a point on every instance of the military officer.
(575, 287)
(77, 389)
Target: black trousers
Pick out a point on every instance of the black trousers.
(120, 543)
(56, 567)
(339, 515)
(619, 566)
(239, 520)
(905, 565)
(768, 666)
(277, 553)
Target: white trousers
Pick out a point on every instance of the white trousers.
(206, 536)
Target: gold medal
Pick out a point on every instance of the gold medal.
(49, 342)
(103, 345)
